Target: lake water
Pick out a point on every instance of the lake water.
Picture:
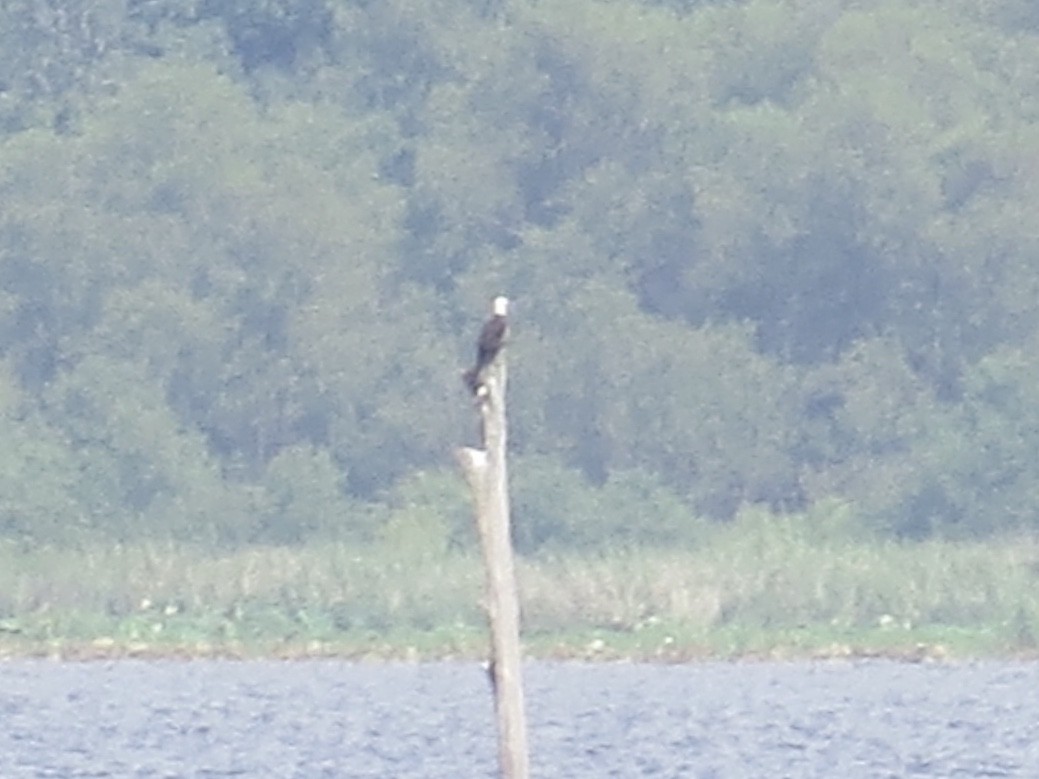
(330, 719)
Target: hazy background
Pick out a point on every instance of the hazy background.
(770, 254)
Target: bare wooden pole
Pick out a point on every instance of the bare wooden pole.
(487, 474)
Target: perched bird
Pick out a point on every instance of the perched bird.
(490, 342)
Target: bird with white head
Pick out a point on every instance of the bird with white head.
(489, 344)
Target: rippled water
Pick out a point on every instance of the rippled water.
(328, 719)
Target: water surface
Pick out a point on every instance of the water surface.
(332, 719)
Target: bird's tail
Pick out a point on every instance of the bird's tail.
(471, 378)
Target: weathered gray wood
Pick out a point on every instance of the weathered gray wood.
(486, 472)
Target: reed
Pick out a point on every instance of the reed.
(753, 584)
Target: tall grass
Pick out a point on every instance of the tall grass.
(773, 580)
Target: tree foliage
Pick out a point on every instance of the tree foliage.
(769, 253)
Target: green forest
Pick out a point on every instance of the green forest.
(770, 256)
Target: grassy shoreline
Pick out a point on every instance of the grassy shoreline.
(778, 589)
(808, 644)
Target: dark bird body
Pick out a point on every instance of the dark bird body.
(492, 338)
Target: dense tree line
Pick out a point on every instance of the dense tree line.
(773, 252)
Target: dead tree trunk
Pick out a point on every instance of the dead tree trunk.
(485, 470)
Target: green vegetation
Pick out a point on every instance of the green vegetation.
(759, 587)
(768, 258)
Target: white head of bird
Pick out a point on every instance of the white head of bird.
(501, 305)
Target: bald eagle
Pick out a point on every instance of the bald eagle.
(490, 342)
